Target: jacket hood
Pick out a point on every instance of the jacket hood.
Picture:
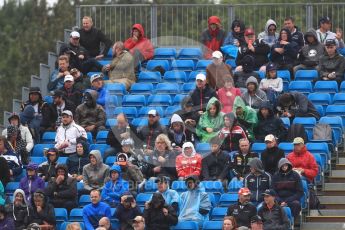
(214, 101)
(268, 23)
(265, 105)
(188, 145)
(282, 162)
(232, 118)
(176, 118)
(116, 168)
(214, 20)
(256, 163)
(157, 200)
(252, 79)
(63, 167)
(93, 94)
(98, 156)
(140, 28)
(18, 190)
(288, 34)
(85, 145)
(238, 22)
(45, 198)
(311, 32)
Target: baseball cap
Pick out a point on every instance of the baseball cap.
(298, 140)
(270, 138)
(201, 77)
(95, 76)
(269, 192)
(68, 78)
(217, 54)
(271, 66)
(330, 42)
(75, 34)
(249, 31)
(67, 112)
(255, 219)
(153, 112)
(324, 19)
(122, 159)
(244, 191)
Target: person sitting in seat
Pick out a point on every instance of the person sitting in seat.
(188, 162)
(43, 212)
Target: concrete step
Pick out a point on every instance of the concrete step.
(340, 167)
(323, 226)
(334, 186)
(338, 173)
(325, 219)
(336, 179)
(341, 160)
(332, 202)
(328, 212)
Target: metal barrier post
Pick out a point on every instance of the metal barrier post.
(231, 15)
(154, 24)
(77, 16)
(309, 16)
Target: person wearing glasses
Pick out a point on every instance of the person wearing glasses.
(269, 36)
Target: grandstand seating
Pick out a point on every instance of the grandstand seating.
(165, 53)
(175, 76)
(306, 75)
(190, 53)
(149, 77)
(152, 64)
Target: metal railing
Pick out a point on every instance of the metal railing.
(182, 24)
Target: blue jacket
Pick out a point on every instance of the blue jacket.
(112, 191)
(93, 213)
(102, 93)
(13, 162)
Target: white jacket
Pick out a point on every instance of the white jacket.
(26, 136)
(70, 134)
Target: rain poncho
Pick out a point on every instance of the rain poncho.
(206, 121)
(248, 118)
(170, 196)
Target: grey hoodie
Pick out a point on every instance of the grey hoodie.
(254, 101)
(268, 39)
(310, 53)
(96, 176)
(256, 163)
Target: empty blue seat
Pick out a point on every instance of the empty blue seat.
(152, 64)
(11, 187)
(183, 65)
(284, 74)
(192, 76)
(213, 186)
(190, 53)
(231, 62)
(149, 77)
(60, 216)
(111, 102)
(111, 122)
(326, 87)
(202, 65)
(320, 110)
(110, 160)
(286, 121)
(141, 88)
(150, 186)
(48, 138)
(101, 136)
(342, 87)
(38, 149)
(170, 110)
(203, 148)
(227, 199)
(80, 186)
(164, 121)
(62, 160)
(143, 112)
(167, 88)
(212, 225)
(159, 100)
(287, 147)
(178, 98)
(301, 86)
(100, 147)
(339, 99)
(218, 213)
(179, 186)
(323, 99)
(134, 100)
(186, 225)
(165, 53)
(322, 149)
(186, 88)
(258, 148)
(175, 76)
(130, 112)
(76, 214)
(336, 110)
(38, 160)
(306, 75)
(137, 122)
(142, 198)
(261, 74)
(116, 89)
(84, 200)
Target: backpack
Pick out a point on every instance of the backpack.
(296, 130)
(322, 132)
(314, 202)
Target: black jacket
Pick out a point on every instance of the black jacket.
(241, 77)
(214, 166)
(270, 158)
(240, 163)
(21, 215)
(242, 213)
(47, 214)
(270, 125)
(114, 139)
(73, 52)
(290, 51)
(335, 64)
(201, 97)
(288, 185)
(91, 41)
(148, 134)
(155, 219)
(311, 53)
(260, 55)
(297, 37)
(74, 95)
(275, 218)
(75, 162)
(125, 216)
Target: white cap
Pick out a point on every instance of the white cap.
(95, 76)
(201, 76)
(75, 34)
(153, 112)
(270, 138)
(217, 54)
(67, 112)
(68, 78)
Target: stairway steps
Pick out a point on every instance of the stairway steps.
(324, 219)
(323, 226)
(328, 212)
(336, 179)
(332, 200)
(341, 160)
(338, 173)
(340, 167)
(334, 186)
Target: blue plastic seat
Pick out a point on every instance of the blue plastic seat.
(178, 98)
(201, 65)
(339, 99)
(104, 62)
(111, 102)
(212, 225)
(111, 122)
(322, 150)
(89, 137)
(183, 65)
(305, 196)
(84, 200)
(142, 198)
(48, 138)
(149, 77)
(288, 213)
(137, 122)
(231, 62)
(190, 53)
(62, 160)
(80, 186)
(175, 76)
(134, 100)
(227, 199)
(141, 88)
(48, 99)
(60, 216)
(143, 112)
(306, 75)
(203, 148)
(170, 110)
(130, 112)
(262, 75)
(192, 76)
(186, 88)
(342, 87)
(308, 124)
(165, 53)
(179, 186)
(230, 50)
(152, 64)
(159, 100)
(116, 89)
(323, 99)
(110, 160)
(165, 121)
(100, 147)
(287, 147)
(38, 149)
(38, 160)
(286, 121)
(336, 110)
(336, 124)
(258, 148)
(301, 86)
(186, 225)
(320, 110)
(284, 75)
(11, 187)
(167, 88)
(218, 213)
(150, 186)
(76, 214)
(101, 136)
(326, 87)
(213, 186)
